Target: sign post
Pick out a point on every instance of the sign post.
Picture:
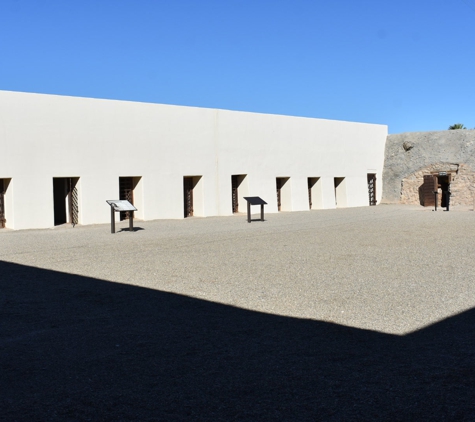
(118, 206)
(112, 220)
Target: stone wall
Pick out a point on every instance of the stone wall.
(410, 156)
(462, 185)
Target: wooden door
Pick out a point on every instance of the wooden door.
(126, 192)
(427, 190)
(188, 196)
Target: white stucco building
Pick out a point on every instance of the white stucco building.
(62, 157)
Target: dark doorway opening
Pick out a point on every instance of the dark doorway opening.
(2, 204)
(234, 193)
(193, 196)
(188, 185)
(66, 201)
(283, 193)
(279, 183)
(311, 182)
(434, 183)
(130, 189)
(126, 192)
(340, 192)
(372, 188)
(444, 185)
(309, 186)
(236, 180)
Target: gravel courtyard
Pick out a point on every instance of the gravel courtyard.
(362, 314)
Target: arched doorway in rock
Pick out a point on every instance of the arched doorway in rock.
(435, 190)
(418, 187)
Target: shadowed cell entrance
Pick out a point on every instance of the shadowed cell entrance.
(2, 204)
(444, 186)
(193, 196)
(314, 186)
(372, 188)
(433, 185)
(188, 196)
(283, 193)
(236, 183)
(278, 183)
(340, 192)
(126, 192)
(66, 200)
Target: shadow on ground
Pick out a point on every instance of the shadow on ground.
(134, 229)
(77, 348)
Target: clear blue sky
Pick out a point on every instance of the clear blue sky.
(409, 64)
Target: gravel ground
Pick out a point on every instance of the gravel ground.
(348, 314)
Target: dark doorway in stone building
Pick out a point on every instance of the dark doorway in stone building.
(66, 200)
(435, 183)
(444, 186)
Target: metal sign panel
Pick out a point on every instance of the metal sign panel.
(121, 205)
(255, 200)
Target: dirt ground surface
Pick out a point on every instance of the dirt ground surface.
(335, 315)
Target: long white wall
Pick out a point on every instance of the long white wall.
(46, 136)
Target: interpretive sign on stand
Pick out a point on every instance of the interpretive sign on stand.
(254, 200)
(118, 206)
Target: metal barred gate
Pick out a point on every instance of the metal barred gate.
(279, 194)
(372, 189)
(234, 188)
(73, 203)
(188, 196)
(126, 192)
